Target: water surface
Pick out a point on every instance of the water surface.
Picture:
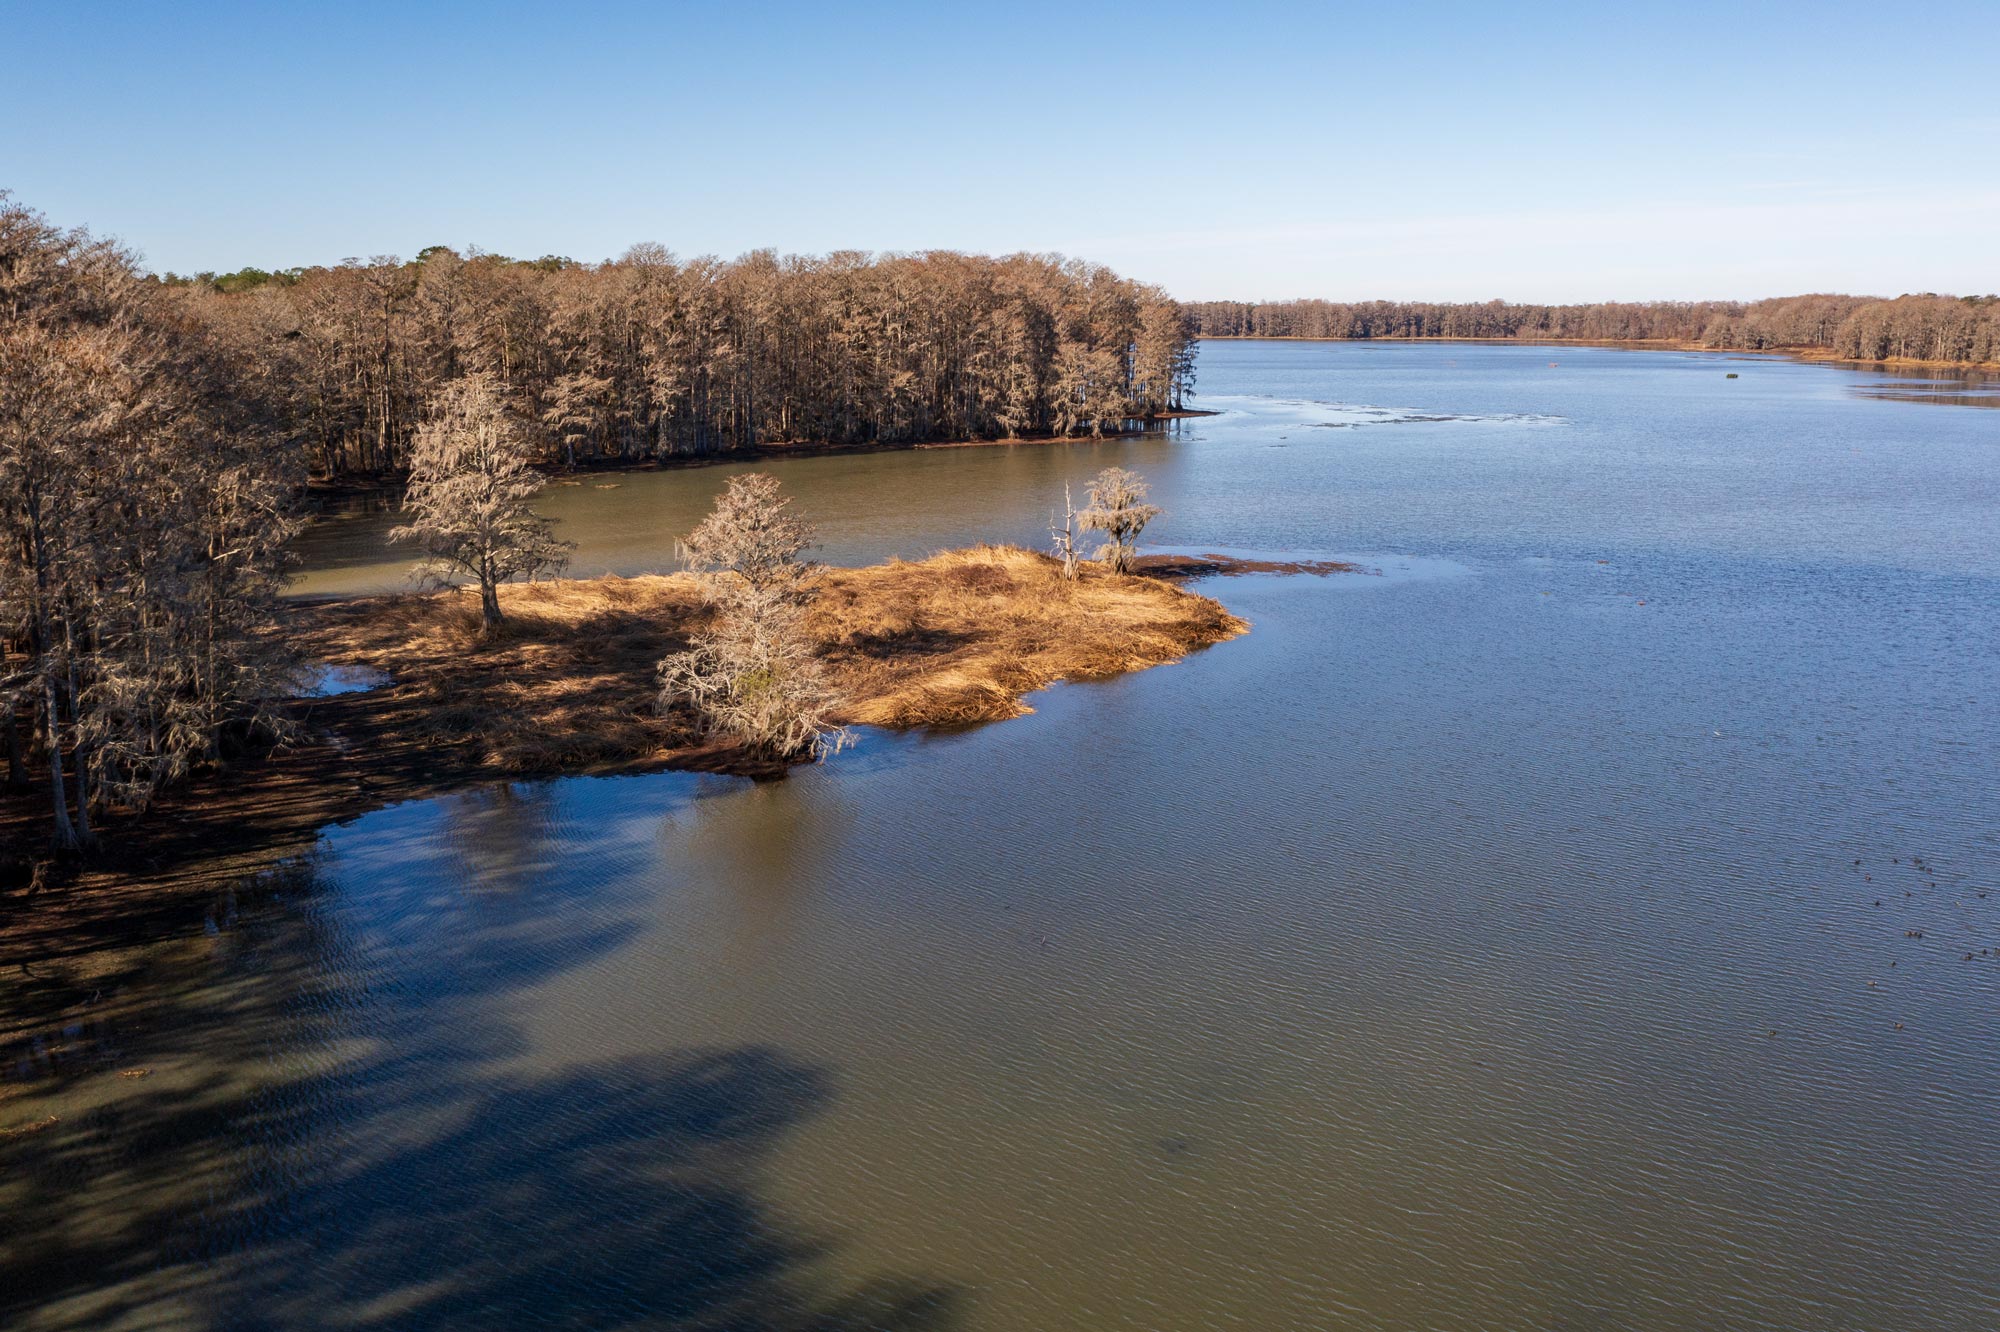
(1568, 928)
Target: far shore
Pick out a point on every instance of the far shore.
(1816, 354)
(567, 687)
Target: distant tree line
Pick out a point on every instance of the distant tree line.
(1921, 327)
(649, 356)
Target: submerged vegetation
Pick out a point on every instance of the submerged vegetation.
(1946, 329)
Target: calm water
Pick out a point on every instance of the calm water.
(1515, 939)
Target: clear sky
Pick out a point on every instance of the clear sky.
(1257, 151)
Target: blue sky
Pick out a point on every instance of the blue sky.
(1432, 151)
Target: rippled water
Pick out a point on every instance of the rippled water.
(1519, 938)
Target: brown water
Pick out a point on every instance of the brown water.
(1472, 946)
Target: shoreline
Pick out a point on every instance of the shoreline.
(1816, 355)
(947, 642)
(342, 487)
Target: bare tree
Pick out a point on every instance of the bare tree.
(1118, 509)
(144, 505)
(470, 492)
(1065, 536)
(754, 673)
(651, 356)
(752, 541)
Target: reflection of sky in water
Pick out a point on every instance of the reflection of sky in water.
(326, 681)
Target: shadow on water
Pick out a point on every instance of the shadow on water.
(332, 1126)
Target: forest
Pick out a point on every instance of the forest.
(146, 498)
(158, 437)
(649, 356)
(1950, 329)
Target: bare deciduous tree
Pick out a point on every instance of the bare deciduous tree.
(1940, 328)
(1118, 509)
(652, 356)
(470, 494)
(144, 506)
(752, 541)
(753, 673)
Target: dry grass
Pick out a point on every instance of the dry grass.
(569, 680)
(960, 637)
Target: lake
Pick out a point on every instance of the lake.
(1588, 919)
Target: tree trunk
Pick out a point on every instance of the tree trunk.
(17, 762)
(86, 837)
(489, 605)
(65, 833)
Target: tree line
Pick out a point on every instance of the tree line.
(649, 356)
(1915, 327)
(145, 503)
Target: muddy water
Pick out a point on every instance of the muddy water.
(1567, 927)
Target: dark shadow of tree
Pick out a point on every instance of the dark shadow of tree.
(413, 1186)
(614, 1196)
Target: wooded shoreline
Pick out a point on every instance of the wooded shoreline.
(364, 484)
(1912, 328)
(1817, 355)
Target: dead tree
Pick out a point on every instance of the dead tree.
(1065, 536)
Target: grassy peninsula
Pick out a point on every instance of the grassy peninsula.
(568, 683)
